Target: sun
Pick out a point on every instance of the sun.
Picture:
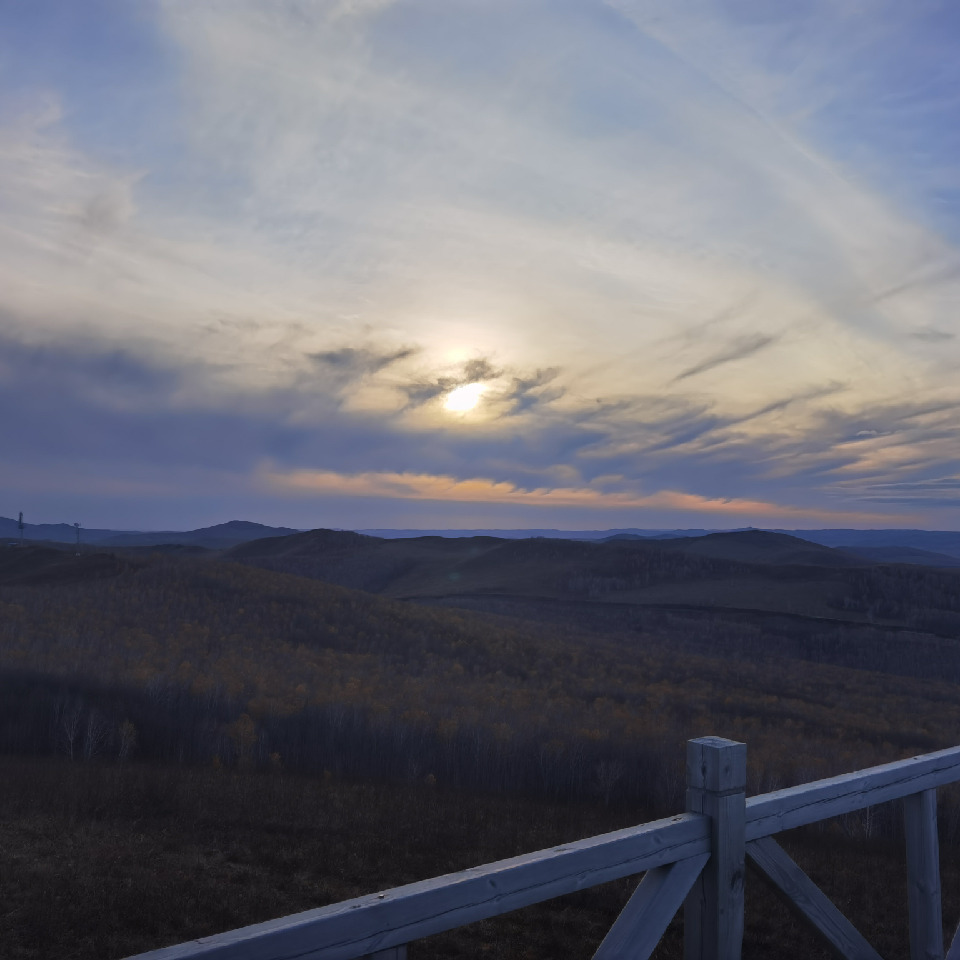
(464, 398)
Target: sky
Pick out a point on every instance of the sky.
(468, 263)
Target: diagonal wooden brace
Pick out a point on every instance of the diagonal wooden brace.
(807, 900)
(648, 913)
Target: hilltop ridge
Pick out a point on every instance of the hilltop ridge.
(747, 573)
(223, 535)
(216, 537)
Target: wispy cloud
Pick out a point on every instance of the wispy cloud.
(526, 393)
(933, 335)
(411, 486)
(477, 370)
(360, 361)
(740, 349)
(932, 491)
(676, 243)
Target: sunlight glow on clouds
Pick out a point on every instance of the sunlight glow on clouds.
(463, 398)
(676, 243)
(414, 486)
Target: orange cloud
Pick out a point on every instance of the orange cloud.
(424, 486)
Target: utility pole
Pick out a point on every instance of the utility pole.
(20, 527)
(77, 526)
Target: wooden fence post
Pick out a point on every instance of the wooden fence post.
(713, 910)
(923, 875)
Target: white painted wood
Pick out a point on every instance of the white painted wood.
(713, 911)
(355, 928)
(954, 952)
(923, 875)
(807, 900)
(379, 926)
(810, 802)
(646, 915)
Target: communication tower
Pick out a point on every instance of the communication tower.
(20, 527)
(77, 527)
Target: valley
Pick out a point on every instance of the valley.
(538, 672)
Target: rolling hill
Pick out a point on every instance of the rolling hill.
(36, 564)
(900, 554)
(720, 591)
(212, 658)
(217, 537)
(752, 569)
(208, 669)
(936, 541)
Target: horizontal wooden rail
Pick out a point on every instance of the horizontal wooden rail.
(696, 857)
(366, 925)
(796, 806)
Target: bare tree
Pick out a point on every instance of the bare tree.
(69, 725)
(128, 740)
(608, 773)
(96, 734)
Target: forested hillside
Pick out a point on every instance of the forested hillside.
(747, 570)
(212, 661)
(269, 741)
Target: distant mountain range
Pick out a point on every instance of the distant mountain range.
(936, 541)
(614, 569)
(550, 533)
(927, 547)
(743, 577)
(897, 546)
(218, 537)
(896, 554)
(745, 592)
(55, 532)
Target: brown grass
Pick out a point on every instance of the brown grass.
(101, 862)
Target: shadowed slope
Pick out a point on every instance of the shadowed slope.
(36, 564)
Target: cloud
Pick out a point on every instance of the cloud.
(478, 370)
(932, 335)
(86, 410)
(358, 8)
(326, 216)
(526, 393)
(108, 210)
(928, 275)
(412, 486)
(743, 347)
(346, 369)
(357, 361)
(932, 490)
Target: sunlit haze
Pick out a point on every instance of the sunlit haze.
(463, 398)
(416, 263)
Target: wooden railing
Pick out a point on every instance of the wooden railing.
(695, 859)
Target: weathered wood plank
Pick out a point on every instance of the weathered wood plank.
(923, 875)
(713, 912)
(394, 953)
(380, 925)
(355, 928)
(807, 900)
(641, 923)
(810, 802)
